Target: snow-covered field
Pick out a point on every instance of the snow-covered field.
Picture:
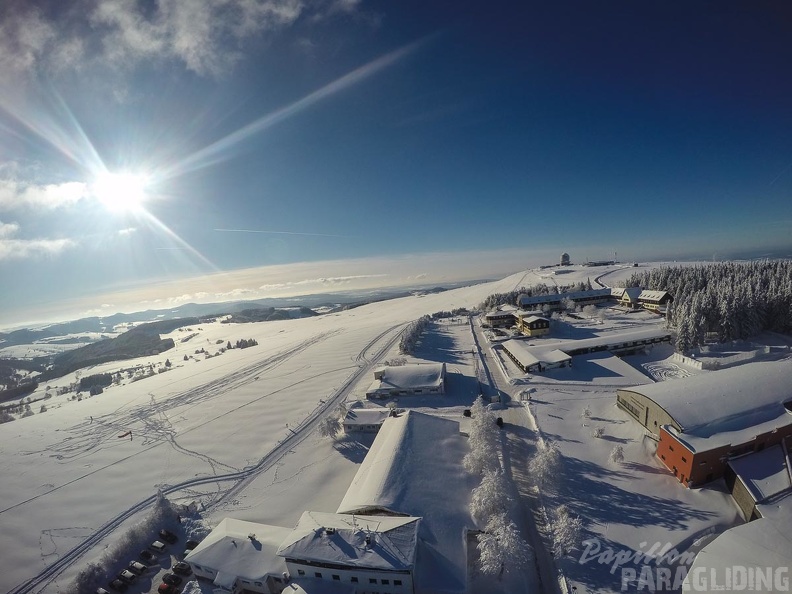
(237, 433)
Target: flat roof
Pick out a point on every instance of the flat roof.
(373, 542)
(764, 473)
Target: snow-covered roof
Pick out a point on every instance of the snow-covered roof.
(632, 293)
(228, 550)
(366, 416)
(373, 542)
(531, 317)
(559, 350)
(727, 400)
(574, 296)
(501, 313)
(408, 377)
(764, 473)
(760, 544)
(652, 295)
(414, 467)
(533, 355)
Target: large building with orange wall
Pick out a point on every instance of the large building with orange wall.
(702, 422)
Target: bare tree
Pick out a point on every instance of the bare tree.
(330, 426)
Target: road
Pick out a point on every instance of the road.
(519, 447)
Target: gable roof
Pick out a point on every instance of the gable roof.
(228, 550)
(374, 542)
(409, 377)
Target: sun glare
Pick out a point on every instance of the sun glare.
(121, 192)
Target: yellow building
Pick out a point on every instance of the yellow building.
(532, 325)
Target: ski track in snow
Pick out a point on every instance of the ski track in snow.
(661, 371)
(77, 445)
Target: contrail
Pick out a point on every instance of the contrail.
(211, 154)
(279, 232)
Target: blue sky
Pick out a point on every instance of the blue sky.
(290, 146)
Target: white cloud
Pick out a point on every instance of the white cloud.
(206, 36)
(8, 229)
(15, 195)
(29, 248)
(15, 249)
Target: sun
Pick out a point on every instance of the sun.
(121, 191)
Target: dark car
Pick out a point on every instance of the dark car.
(168, 536)
(127, 576)
(190, 545)
(118, 585)
(171, 579)
(147, 556)
(167, 589)
(182, 568)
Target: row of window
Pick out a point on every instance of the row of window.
(354, 579)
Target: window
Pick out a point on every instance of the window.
(684, 459)
(397, 582)
(662, 456)
(300, 572)
(336, 577)
(353, 579)
(670, 448)
(372, 580)
(318, 574)
(385, 582)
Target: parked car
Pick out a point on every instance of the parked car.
(127, 576)
(136, 567)
(167, 589)
(182, 568)
(147, 556)
(118, 585)
(171, 579)
(191, 544)
(157, 546)
(168, 536)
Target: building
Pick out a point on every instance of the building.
(656, 301)
(754, 557)
(554, 301)
(759, 478)
(558, 353)
(404, 380)
(703, 422)
(565, 259)
(401, 527)
(626, 297)
(414, 469)
(369, 553)
(636, 298)
(530, 359)
(503, 318)
(239, 555)
(365, 420)
(532, 325)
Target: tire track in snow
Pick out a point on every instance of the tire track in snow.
(241, 478)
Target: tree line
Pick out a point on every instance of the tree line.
(724, 301)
